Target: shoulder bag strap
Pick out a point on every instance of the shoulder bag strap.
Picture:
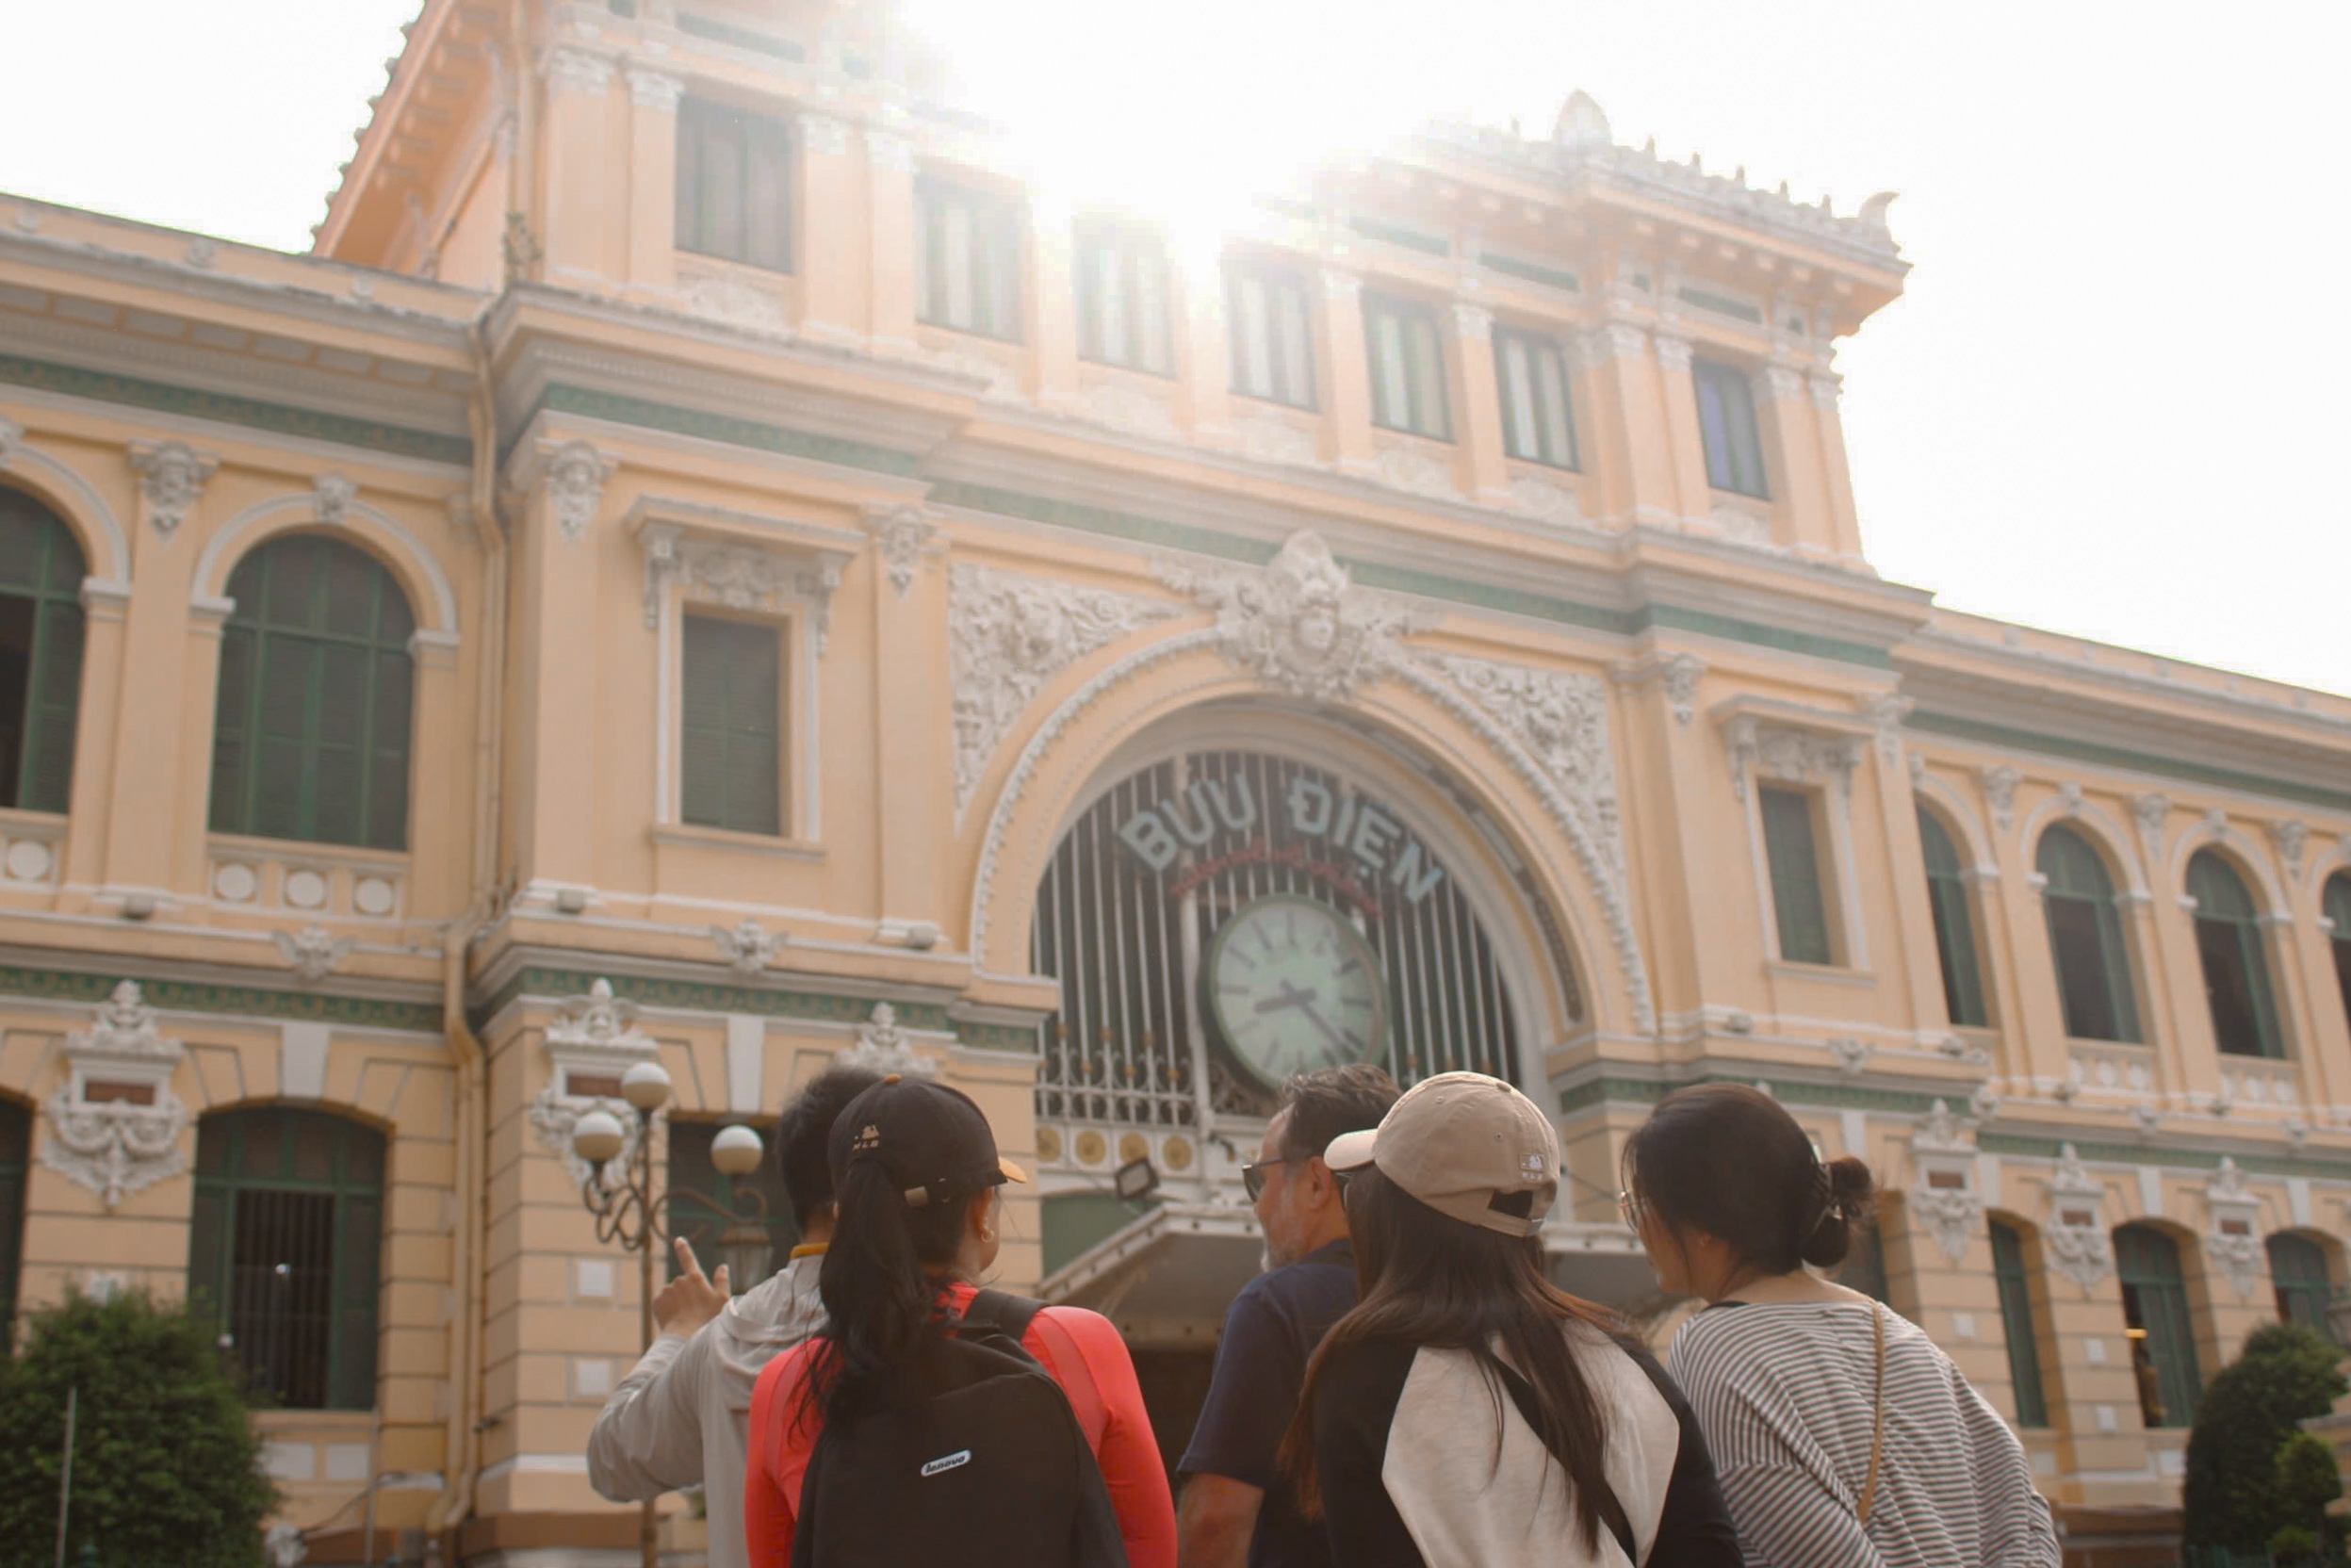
(1010, 1315)
(1877, 1431)
(1612, 1512)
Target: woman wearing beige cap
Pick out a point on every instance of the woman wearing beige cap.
(1845, 1436)
(1468, 1413)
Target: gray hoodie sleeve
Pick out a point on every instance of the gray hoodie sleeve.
(648, 1438)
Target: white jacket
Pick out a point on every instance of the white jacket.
(682, 1415)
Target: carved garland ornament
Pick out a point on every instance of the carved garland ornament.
(115, 1147)
(884, 1046)
(740, 577)
(2233, 1242)
(596, 1035)
(2076, 1234)
(172, 476)
(1944, 1195)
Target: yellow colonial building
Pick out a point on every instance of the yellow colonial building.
(702, 564)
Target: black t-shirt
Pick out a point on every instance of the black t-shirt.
(1269, 1332)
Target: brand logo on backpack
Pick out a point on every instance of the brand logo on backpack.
(950, 1461)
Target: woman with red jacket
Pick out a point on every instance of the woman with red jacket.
(915, 1173)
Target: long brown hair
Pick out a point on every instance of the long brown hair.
(1425, 1279)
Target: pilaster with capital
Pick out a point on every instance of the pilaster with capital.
(555, 718)
(889, 223)
(1628, 470)
(913, 715)
(1205, 390)
(1685, 442)
(1346, 412)
(580, 144)
(1479, 397)
(1836, 480)
(1051, 301)
(653, 100)
(1790, 431)
(832, 277)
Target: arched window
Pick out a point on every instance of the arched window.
(1954, 927)
(2297, 1272)
(16, 1142)
(41, 654)
(310, 739)
(2339, 911)
(2156, 1318)
(281, 1249)
(2014, 1276)
(2236, 971)
(2085, 940)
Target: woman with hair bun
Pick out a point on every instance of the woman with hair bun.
(1841, 1433)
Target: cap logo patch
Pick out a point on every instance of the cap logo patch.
(868, 1136)
(1532, 1164)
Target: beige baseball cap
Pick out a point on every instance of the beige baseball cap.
(1457, 1142)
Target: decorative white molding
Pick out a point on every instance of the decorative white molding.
(1472, 322)
(230, 540)
(655, 90)
(902, 534)
(2290, 836)
(1008, 635)
(1943, 1150)
(2151, 811)
(1999, 790)
(1678, 673)
(117, 1146)
(824, 136)
(596, 1035)
(1825, 386)
(1540, 498)
(722, 570)
(2233, 1238)
(2075, 1234)
(331, 499)
(1790, 756)
(1409, 469)
(728, 300)
(1743, 524)
(1781, 383)
(574, 478)
(889, 150)
(311, 953)
(883, 1046)
(1888, 713)
(748, 946)
(1341, 287)
(1852, 1055)
(1115, 406)
(1674, 353)
(11, 442)
(1299, 623)
(1610, 340)
(1271, 440)
(2069, 802)
(577, 70)
(172, 477)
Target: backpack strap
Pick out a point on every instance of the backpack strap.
(1009, 1315)
(1013, 1316)
(1612, 1512)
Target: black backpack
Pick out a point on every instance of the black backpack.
(972, 1455)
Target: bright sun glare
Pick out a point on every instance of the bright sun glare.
(1234, 98)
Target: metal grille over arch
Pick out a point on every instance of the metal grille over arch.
(1149, 874)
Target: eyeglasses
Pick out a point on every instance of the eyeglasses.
(1253, 1174)
(1629, 1207)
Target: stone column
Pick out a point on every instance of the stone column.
(1346, 402)
(1483, 471)
(576, 165)
(1052, 305)
(1628, 463)
(556, 718)
(440, 839)
(653, 96)
(1786, 413)
(914, 723)
(1685, 441)
(891, 305)
(831, 275)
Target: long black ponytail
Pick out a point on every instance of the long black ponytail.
(880, 1288)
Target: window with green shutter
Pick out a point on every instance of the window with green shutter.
(311, 732)
(1122, 297)
(757, 1198)
(2236, 968)
(734, 185)
(2014, 1280)
(2085, 938)
(1727, 429)
(16, 1142)
(1799, 902)
(731, 741)
(284, 1239)
(2298, 1273)
(1538, 418)
(1954, 924)
(1406, 355)
(2338, 904)
(2161, 1327)
(41, 653)
(1272, 324)
(967, 259)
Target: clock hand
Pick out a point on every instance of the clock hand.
(1291, 997)
(1323, 1023)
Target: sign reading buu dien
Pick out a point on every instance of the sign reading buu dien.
(1365, 842)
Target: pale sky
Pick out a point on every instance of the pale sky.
(2105, 405)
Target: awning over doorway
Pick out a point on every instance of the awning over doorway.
(1167, 1278)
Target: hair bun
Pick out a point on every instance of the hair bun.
(1850, 1204)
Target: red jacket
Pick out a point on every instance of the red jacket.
(1085, 1357)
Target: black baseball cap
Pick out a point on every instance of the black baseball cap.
(931, 1139)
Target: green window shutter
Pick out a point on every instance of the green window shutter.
(352, 1360)
(2338, 911)
(1798, 906)
(2087, 944)
(2015, 1311)
(2297, 1271)
(731, 744)
(686, 229)
(2235, 959)
(207, 1249)
(311, 736)
(1955, 925)
(2155, 1301)
(703, 727)
(41, 653)
(15, 1148)
(1727, 429)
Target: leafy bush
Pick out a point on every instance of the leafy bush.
(167, 1471)
(2307, 1482)
(2233, 1497)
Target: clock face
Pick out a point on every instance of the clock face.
(1295, 987)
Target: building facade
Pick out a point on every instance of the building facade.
(701, 564)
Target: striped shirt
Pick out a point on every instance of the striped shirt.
(1786, 1395)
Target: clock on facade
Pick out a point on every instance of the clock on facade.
(1294, 987)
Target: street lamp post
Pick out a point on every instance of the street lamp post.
(628, 1211)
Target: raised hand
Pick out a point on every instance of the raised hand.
(690, 1300)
